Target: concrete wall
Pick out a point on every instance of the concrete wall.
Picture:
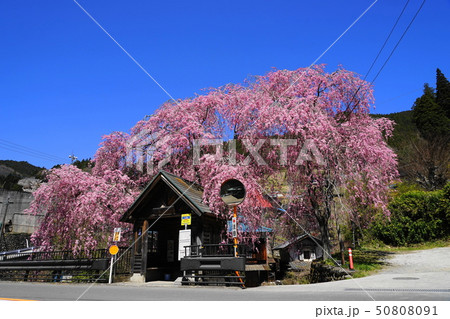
(25, 223)
(18, 202)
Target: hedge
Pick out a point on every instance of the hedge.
(416, 216)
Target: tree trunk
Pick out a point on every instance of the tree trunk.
(325, 236)
(322, 214)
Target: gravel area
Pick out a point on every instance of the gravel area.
(420, 261)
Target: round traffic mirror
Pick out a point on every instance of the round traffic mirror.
(232, 192)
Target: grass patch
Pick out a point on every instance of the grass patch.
(421, 246)
(365, 261)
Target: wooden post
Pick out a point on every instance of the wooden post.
(144, 248)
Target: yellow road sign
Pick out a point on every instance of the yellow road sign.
(113, 250)
(185, 219)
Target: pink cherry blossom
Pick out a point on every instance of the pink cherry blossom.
(346, 157)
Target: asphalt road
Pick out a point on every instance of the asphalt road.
(413, 276)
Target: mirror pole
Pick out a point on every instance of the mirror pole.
(235, 238)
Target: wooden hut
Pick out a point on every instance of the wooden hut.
(157, 212)
(302, 248)
(164, 249)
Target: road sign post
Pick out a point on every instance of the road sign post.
(232, 193)
(234, 228)
(113, 250)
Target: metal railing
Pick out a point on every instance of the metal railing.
(31, 254)
(123, 264)
(16, 254)
(215, 250)
(62, 265)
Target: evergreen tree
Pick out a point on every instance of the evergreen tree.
(443, 92)
(429, 116)
(431, 153)
(84, 164)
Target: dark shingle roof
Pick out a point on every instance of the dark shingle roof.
(190, 192)
(297, 239)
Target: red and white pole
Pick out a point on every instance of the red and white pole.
(235, 240)
(350, 258)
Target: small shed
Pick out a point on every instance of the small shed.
(303, 248)
(165, 249)
(158, 213)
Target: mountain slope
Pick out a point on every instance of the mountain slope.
(11, 172)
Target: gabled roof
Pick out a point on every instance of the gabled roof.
(297, 239)
(189, 192)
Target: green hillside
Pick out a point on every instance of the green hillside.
(405, 130)
(12, 171)
(22, 168)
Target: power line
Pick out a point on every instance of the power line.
(354, 22)
(14, 147)
(125, 51)
(28, 151)
(390, 55)
(387, 39)
(398, 42)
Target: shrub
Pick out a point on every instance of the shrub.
(416, 216)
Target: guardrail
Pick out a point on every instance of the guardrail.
(62, 266)
(14, 254)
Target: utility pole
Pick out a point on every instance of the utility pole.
(73, 158)
(2, 232)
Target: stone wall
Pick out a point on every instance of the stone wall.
(15, 241)
(321, 272)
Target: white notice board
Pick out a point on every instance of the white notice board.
(184, 240)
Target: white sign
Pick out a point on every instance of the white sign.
(184, 240)
(117, 233)
(234, 227)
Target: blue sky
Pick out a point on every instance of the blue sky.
(64, 83)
